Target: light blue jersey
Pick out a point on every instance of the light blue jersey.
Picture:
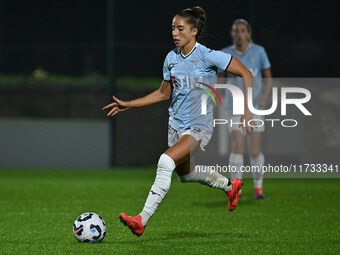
(188, 74)
(255, 60)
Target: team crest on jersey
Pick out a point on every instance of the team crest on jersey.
(194, 62)
(252, 58)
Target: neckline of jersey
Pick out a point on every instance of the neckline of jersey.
(243, 53)
(187, 55)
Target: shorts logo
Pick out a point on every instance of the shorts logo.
(196, 130)
(170, 130)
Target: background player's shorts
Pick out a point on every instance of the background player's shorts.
(202, 137)
(236, 119)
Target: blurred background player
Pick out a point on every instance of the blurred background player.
(188, 130)
(254, 58)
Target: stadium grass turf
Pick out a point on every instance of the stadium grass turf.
(38, 209)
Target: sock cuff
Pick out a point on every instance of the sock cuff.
(167, 161)
(236, 158)
(257, 160)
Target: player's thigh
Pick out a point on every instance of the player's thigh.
(237, 141)
(254, 143)
(182, 149)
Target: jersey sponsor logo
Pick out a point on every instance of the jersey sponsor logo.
(174, 82)
(213, 90)
(204, 98)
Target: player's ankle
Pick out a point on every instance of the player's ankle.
(145, 217)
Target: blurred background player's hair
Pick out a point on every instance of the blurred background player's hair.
(242, 21)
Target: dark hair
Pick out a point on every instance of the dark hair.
(196, 17)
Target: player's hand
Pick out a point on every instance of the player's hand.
(117, 106)
(262, 102)
(247, 118)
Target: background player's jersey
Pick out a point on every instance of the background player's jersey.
(255, 60)
(185, 73)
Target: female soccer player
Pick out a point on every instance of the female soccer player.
(255, 59)
(188, 129)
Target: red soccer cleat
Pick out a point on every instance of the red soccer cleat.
(259, 193)
(133, 223)
(239, 196)
(233, 195)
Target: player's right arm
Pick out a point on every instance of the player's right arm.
(159, 95)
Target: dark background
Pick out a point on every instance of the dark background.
(49, 121)
(69, 37)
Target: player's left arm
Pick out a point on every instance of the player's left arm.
(268, 84)
(237, 68)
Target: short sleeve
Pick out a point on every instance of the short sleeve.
(217, 58)
(166, 70)
(265, 64)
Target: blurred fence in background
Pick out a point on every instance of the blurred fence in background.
(64, 126)
(61, 124)
(46, 125)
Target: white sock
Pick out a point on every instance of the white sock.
(145, 217)
(236, 162)
(208, 177)
(160, 187)
(258, 174)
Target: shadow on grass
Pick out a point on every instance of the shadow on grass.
(201, 237)
(224, 203)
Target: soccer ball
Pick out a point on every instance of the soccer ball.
(89, 227)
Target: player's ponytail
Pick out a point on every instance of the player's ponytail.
(196, 17)
(199, 13)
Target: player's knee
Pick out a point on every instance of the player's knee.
(237, 147)
(237, 142)
(165, 167)
(255, 152)
(166, 162)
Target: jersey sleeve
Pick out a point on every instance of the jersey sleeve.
(219, 59)
(166, 70)
(265, 64)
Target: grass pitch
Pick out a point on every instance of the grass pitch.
(38, 209)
